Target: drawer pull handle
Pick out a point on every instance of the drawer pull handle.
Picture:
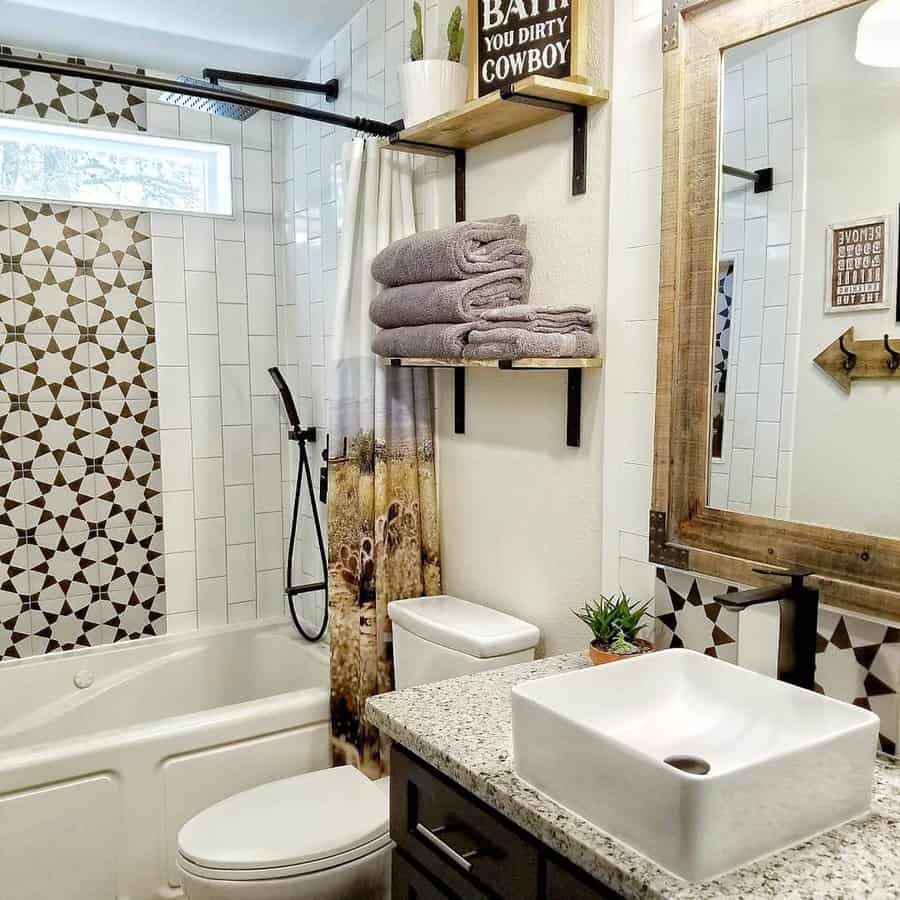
(431, 835)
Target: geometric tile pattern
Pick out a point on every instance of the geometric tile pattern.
(71, 99)
(81, 541)
(859, 662)
(687, 616)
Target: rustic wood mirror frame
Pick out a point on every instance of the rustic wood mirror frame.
(854, 571)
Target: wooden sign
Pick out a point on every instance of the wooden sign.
(848, 360)
(859, 267)
(513, 39)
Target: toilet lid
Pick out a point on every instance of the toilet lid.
(469, 628)
(285, 824)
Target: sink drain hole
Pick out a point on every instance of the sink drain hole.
(693, 765)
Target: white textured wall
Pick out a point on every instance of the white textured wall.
(846, 473)
(521, 513)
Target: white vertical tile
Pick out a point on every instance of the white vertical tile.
(235, 395)
(175, 453)
(257, 181)
(199, 244)
(261, 304)
(238, 454)
(206, 417)
(171, 334)
(231, 272)
(270, 594)
(756, 118)
(168, 270)
(266, 425)
(779, 94)
(201, 302)
(263, 355)
(770, 387)
(773, 334)
(174, 396)
(260, 244)
(765, 457)
(234, 347)
(181, 582)
(241, 574)
(211, 548)
(212, 602)
(209, 495)
(178, 516)
(267, 483)
(204, 365)
(239, 513)
(268, 540)
(740, 488)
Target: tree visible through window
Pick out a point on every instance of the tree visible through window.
(81, 166)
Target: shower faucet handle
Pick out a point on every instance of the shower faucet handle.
(300, 434)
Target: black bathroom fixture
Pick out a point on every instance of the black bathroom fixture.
(763, 179)
(799, 608)
(215, 99)
(301, 435)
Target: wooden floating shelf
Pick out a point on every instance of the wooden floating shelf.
(572, 367)
(426, 362)
(494, 116)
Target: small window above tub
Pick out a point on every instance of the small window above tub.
(80, 166)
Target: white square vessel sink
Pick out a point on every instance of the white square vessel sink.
(784, 764)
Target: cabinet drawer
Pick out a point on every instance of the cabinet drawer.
(464, 844)
(565, 883)
(408, 883)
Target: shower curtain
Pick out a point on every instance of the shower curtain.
(382, 499)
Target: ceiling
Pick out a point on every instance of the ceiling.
(179, 37)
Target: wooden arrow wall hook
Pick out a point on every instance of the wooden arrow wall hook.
(847, 360)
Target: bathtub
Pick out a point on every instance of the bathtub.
(106, 752)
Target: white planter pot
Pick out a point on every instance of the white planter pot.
(431, 87)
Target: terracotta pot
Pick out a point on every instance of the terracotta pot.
(600, 657)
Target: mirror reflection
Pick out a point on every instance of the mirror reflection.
(805, 411)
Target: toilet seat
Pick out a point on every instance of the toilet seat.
(308, 823)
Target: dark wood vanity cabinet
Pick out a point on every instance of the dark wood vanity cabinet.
(451, 846)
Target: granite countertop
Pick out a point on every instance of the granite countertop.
(463, 728)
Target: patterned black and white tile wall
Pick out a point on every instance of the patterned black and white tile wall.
(81, 541)
(858, 660)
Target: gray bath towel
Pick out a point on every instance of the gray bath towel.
(519, 343)
(441, 341)
(439, 302)
(454, 253)
(520, 315)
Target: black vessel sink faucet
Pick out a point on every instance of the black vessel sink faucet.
(799, 607)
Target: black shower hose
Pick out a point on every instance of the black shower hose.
(291, 590)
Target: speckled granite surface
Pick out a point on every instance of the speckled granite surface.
(463, 728)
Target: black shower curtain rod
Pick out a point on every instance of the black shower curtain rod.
(355, 123)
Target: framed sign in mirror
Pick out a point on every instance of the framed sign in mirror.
(514, 39)
(762, 455)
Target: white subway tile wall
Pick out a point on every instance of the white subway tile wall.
(218, 422)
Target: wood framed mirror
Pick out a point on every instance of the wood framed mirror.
(771, 448)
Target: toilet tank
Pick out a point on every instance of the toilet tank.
(445, 637)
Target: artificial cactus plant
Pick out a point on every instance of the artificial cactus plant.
(455, 35)
(417, 40)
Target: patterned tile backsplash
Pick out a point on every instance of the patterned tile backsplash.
(858, 660)
(81, 541)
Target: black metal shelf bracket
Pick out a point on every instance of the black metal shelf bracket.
(579, 131)
(573, 399)
(459, 158)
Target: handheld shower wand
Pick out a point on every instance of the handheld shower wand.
(296, 432)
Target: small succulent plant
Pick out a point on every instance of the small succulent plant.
(455, 35)
(417, 39)
(615, 622)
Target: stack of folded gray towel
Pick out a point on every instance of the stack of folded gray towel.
(462, 292)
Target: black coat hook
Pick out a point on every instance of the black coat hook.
(850, 357)
(893, 362)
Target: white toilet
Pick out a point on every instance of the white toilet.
(325, 835)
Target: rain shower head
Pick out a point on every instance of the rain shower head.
(225, 108)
